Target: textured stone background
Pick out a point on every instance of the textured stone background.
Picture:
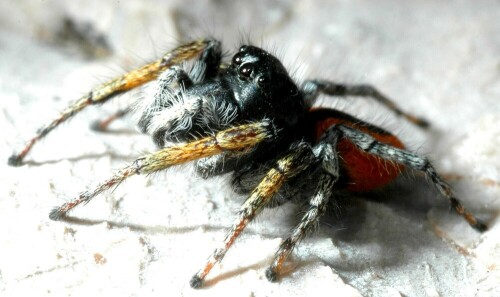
(437, 59)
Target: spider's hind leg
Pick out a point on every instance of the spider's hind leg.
(102, 125)
(370, 145)
(312, 88)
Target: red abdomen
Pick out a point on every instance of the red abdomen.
(359, 171)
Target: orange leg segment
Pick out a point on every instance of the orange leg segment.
(239, 138)
(285, 168)
(114, 87)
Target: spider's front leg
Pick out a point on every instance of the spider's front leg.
(297, 160)
(313, 88)
(117, 86)
(240, 138)
(205, 67)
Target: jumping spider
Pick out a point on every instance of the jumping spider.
(249, 118)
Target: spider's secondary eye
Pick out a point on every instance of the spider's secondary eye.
(246, 70)
(263, 80)
(238, 58)
(243, 48)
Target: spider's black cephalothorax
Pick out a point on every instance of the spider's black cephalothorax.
(263, 88)
(250, 119)
(253, 87)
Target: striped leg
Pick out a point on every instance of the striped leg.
(298, 160)
(372, 146)
(317, 207)
(326, 152)
(233, 139)
(207, 66)
(117, 86)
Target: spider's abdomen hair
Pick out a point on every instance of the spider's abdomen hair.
(361, 171)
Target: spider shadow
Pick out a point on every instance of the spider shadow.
(79, 158)
(408, 198)
(160, 229)
(411, 199)
(127, 130)
(392, 216)
(138, 228)
(235, 272)
(117, 132)
(105, 132)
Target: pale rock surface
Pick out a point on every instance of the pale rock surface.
(436, 59)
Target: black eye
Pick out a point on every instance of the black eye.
(243, 48)
(238, 58)
(246, 70)
(263, 80)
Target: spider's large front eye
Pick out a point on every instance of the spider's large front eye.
(246, 70)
